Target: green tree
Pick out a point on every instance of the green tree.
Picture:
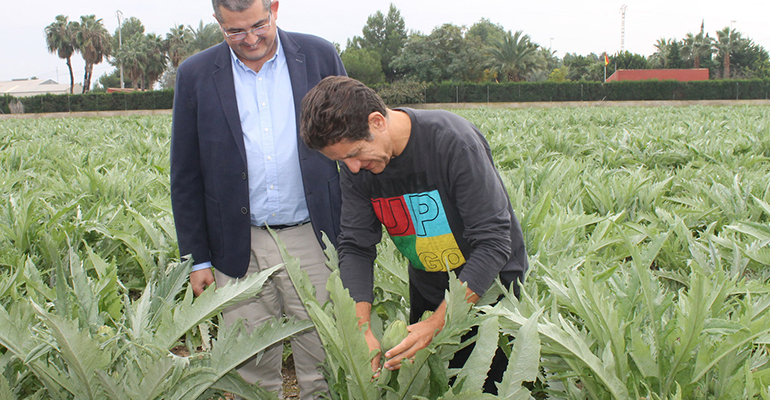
(386, 35)
(513, 56)
(586, 68)
(668, 54)
(545, 64)
(627, 60)
(696, 48)
(155, 61)
(92, 41)
(558, 75)
(131, 55)
(204, 37)
(675, 60)
(60, 38)
(727, 42)
(177, 44)
(659, 59)
(128, 28)
(364, 65)
(417, 61)
(486, 31)
(443, 55)
(111, 80)
(143, 58)
(750, 60)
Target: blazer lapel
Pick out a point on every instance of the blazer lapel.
(297, 71)
(223, 79)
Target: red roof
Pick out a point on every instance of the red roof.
(682, 75)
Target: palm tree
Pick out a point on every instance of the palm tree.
(204, 37)
(728, 41)
(143, 58)
(155, 59)
(177, 44)
(513, 56)
(695, 47)
(659, 59)
(93, 43)
(131, 55)
(60, 38)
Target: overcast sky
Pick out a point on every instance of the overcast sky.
(567, 26)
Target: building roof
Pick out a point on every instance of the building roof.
(33, 87)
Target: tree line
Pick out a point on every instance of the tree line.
(386, 53)
(146, 58)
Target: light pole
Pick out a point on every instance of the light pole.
(119, 14)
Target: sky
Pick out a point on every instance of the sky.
(566, 26)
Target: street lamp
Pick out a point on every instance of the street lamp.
(119, 14)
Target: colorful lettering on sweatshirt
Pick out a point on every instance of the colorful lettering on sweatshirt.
(418, 225)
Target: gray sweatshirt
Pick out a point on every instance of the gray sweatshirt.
(443, 204)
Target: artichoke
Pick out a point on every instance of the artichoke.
(394, 334)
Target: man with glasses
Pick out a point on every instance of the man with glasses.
(237, 167)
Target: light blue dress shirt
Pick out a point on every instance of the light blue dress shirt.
(267, 112)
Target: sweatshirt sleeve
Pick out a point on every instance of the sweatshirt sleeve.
(360, 231)
(482, 202)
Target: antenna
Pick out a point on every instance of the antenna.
(623, 9)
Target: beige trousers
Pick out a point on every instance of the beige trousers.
(279, 298)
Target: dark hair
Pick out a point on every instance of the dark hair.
(235, 5)
(338, 109)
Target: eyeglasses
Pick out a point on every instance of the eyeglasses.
(258, 31)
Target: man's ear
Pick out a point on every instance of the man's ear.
(377, 121)
(274, 9)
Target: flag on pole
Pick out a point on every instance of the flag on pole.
(606, 60)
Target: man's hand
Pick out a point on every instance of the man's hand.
(374, 344)
(200, 280)
(364, 314)
(420, 336)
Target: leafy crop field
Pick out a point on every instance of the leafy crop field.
(647, 232)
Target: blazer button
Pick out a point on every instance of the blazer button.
(243, 175)
(244, 210)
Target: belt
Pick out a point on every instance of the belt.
(279, 227)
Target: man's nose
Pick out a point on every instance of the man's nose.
(249, 40)
(353, 165)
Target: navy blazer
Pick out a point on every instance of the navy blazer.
(209, 178)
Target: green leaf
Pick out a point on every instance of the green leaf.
(233, 347)
(5, 390)
(524, 362)
(81, 353)
(233, 383)
(468, 396)
(564, 339)
(474, 372)
(178, 318)
(345, 345)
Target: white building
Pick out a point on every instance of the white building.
(34, 87)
